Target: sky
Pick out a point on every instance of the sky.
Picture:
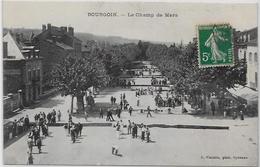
(17, 14)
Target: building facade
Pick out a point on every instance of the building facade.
(55, 44)
(22, 69)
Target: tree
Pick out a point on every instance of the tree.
(74, 75)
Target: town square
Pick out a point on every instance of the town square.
(74, 98)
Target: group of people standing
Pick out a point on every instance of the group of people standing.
(132, 129)
(74, 130)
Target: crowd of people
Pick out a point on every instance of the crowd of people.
(19, 126)
(155, 81)
(74, 129)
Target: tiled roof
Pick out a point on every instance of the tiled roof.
(61, 45)
(13, 50)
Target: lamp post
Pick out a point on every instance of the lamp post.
(20, 98)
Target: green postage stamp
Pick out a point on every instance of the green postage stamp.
(215, 45)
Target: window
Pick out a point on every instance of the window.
(250, 57)
(255, 57)
(256, 79)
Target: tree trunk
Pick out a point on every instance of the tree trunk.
(80, 103)
(71, 107)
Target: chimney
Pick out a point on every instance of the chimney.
(43, 27)
(5, 49)
(49, 26)
(71, 31)
(53, 39)
(63, 29)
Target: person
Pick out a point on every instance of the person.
(30, 144)
(118, 126)
(241, 115)
(123, 96)
(30, 158)
(169, 110)
(147, 134)
(80, 126)
(142, 132)
(14, 128)
(49, 118)
(108, 116)
(212, 105)
(129, 127)
(130, 110)
(135, 130)
(121, 104)
(59, 115)
(27, 122)
(112, 99)
(101, 114)
(73, 135)
(39, 144)
(149, 112)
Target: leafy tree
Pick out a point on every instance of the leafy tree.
(74, 75)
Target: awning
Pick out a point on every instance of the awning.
(251, 96)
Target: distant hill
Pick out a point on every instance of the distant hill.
(84, 37)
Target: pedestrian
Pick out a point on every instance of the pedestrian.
(39, 144)
(123, 96)
(101, 113)
(149, 112)
(129, 127)
(138, 102)
(212, 105)
(130, 110)
(26, 122)
(30, 144)
(241, 115)
(147, 134)
(142, 132)
(30, 158)
(121, 104)
(135, 130)
(59, 115)
(118, 129)
(69, 126)
(112, 99)
(80, 126)
(108, 116)
(73, 135)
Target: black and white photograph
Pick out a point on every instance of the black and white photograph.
(99, 83)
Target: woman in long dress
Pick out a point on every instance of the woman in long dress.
(213, 41)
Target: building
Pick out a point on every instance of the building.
(242, 39)
(55, 43)
(247, 50)
(22, 69)
(252, 64)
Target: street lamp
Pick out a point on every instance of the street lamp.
(20, 98)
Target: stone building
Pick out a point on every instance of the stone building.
(22, 69)
(55, 43)
(247, 50)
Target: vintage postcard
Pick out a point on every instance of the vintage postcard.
(95, 83)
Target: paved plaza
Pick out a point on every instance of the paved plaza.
(169, 146)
